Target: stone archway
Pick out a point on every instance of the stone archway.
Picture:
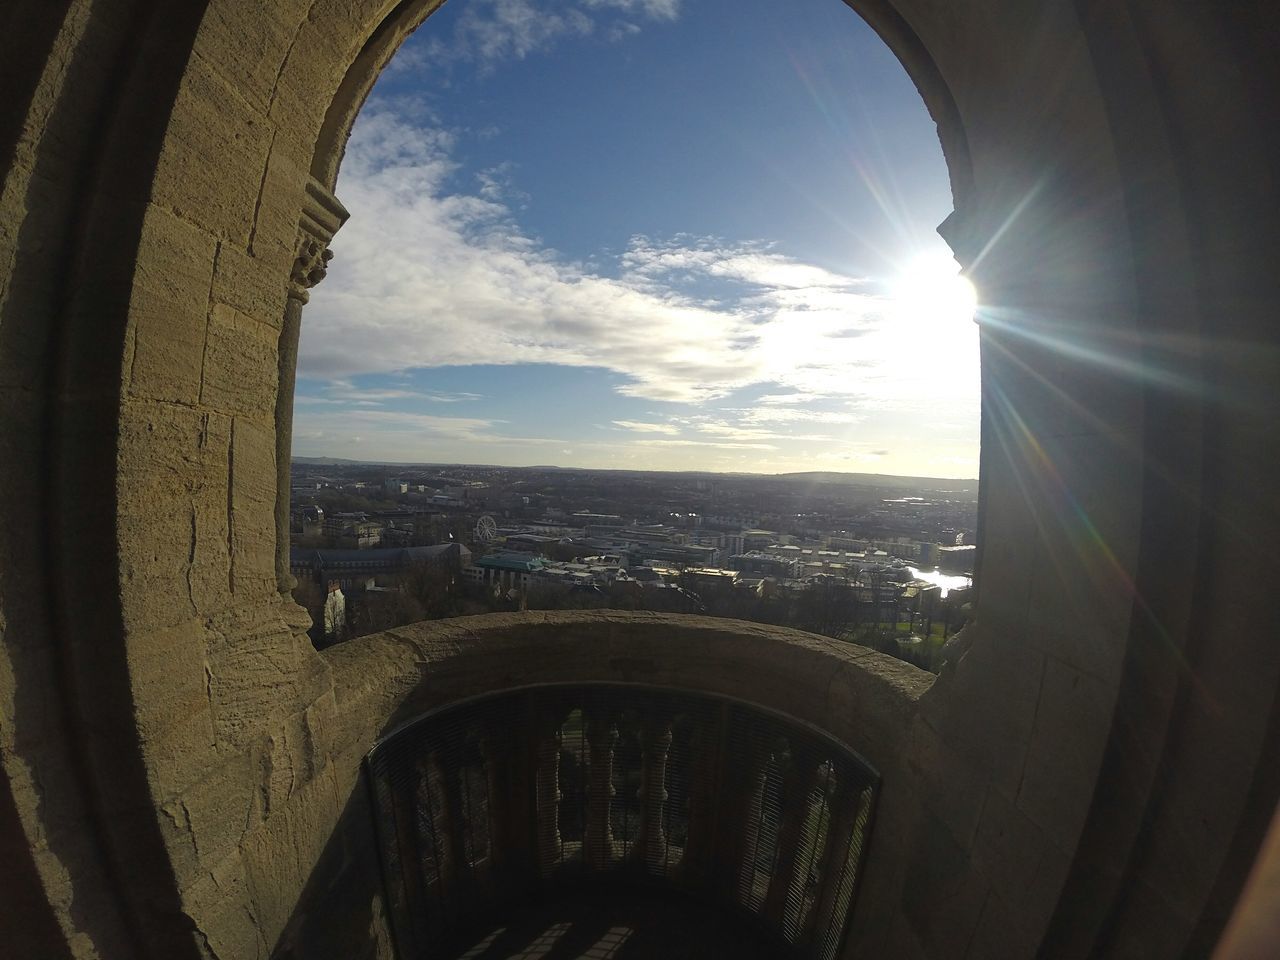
(165, 718)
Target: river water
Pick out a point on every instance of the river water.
(947, 581)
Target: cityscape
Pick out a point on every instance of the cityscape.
(881, 561)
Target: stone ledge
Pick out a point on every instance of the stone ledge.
(864, 698)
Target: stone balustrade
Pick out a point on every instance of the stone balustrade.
(509, 757)
(457, 810)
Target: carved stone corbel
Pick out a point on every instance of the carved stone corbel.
(309, 268)
(322, 216)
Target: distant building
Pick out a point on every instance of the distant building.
(429, 528)
(307, 520)
(765, 565)
(702, 579)
(361, 568)
(530, 543)
(569, 575)
(650, 533)
(930, 554)
(959, 559)
(360, 536)
(352, 531)
(598, 519)
(397, 536)
(679, 554)
(551, 528)
(506, 571)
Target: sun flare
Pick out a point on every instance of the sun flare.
(929, 292)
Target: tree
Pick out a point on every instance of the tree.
(435, 587)
(372, 611)
(828, 606)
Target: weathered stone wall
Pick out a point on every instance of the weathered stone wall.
(1094, 772)
(66, 696)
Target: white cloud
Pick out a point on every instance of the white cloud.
(426, 276)
(496, 184)
(311, 401)
(494, 30)
(774, 414)
(621, 30)
(639, 427)
(343, 391)
(729, 431)
(489, 32)
(653, 9)
(350, 420)
(705, 444)
(752, 264)
(775, 399)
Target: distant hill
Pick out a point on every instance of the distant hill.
(882, 480)
(875, 479)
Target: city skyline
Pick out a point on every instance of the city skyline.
(529, 278)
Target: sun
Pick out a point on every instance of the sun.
(930, 294)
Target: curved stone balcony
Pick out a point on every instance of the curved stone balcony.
(718, 769)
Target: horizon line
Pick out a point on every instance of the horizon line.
(553, 466)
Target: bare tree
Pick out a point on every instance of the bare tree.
(434, 586)
(828, 606)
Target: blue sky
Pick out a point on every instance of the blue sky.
(660, 234)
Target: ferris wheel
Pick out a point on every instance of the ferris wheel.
(486, 529)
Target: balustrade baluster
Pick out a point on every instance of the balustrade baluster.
(752, 825)
(427, 804)
(848, 802)
(786, 886)
(452, 832)
(740, 822)
(651, 840)
(503, 845)
(602, 735)
(547, 789)
(512, 769)
(409, 852)
(430, 844)
(707, 805)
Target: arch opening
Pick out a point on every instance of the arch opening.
(1100, 210)
(754, 351)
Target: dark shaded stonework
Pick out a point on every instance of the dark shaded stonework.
(1093, 777)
